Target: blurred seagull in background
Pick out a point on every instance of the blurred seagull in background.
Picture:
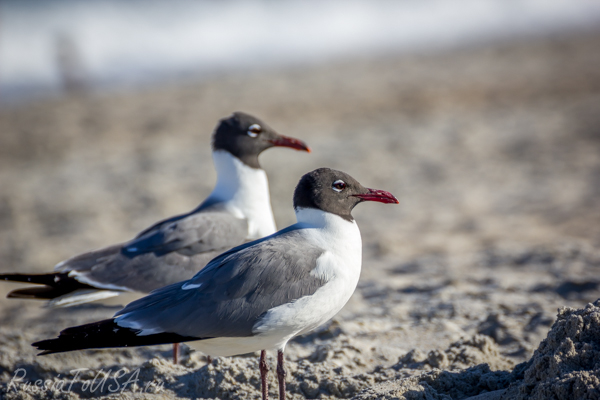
(237, 210)
(256, 296)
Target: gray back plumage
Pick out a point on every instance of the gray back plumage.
(208, 228)
(235, 289)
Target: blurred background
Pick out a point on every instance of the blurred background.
(481, 116)
(48, 47)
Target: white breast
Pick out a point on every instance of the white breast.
(340, 265)
(245, 192)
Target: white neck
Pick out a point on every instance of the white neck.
(333, 232)
(245, 192)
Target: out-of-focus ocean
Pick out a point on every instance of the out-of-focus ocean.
(123, 43)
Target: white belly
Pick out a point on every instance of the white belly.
(233, 346)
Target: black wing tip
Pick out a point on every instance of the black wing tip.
(75, 338)
(26, 278)
(49, 346)
(16, 295)
(104, 334)
(35, 293)
(54, 285)
(42, 345)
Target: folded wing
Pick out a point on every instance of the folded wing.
(229, 296)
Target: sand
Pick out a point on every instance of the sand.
(493, 152)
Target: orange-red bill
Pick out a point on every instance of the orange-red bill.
(285, 141)
(378, 195)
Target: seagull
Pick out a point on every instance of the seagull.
(172, 250)
(256, 296)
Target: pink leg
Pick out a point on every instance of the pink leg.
(175, 353)
(264, 370)
(281, 375)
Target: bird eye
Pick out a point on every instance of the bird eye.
(338, 185)
(254, 130)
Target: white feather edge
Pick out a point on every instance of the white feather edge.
(80, 277)
(81, 296)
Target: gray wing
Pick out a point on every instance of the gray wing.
(110, 269)
(172, 251)
(194, 233)
(227, 297)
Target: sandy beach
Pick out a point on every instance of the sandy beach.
(493, 152)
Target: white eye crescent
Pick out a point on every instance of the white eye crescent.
(254, 130)
(338, 185)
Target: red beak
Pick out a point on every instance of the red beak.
(378, 195)
(285, 141)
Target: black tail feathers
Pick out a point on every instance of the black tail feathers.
(56, 285)
(104, 334)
